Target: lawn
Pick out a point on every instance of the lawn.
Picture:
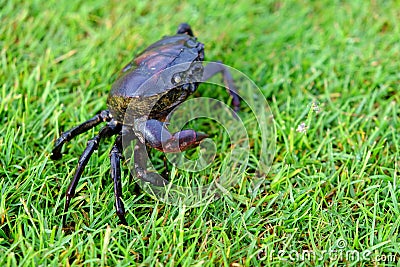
(330, 71)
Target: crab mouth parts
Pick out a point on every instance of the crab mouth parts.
(200, 56)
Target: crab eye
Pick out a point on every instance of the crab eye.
(191, 43)
(176, 79)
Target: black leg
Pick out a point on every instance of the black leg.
(115, 158)
(184, 28)
(214, 68)
(165, 173)
(68, 135)
(92, 145)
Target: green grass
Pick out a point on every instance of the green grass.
(338, 181)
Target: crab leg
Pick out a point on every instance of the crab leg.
(214, 68)
(184, 28)
(92, 145)
(115, 159)
(87, 125)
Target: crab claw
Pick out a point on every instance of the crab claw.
(183, 140)
(189, 139)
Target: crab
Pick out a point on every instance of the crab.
(147, 125)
